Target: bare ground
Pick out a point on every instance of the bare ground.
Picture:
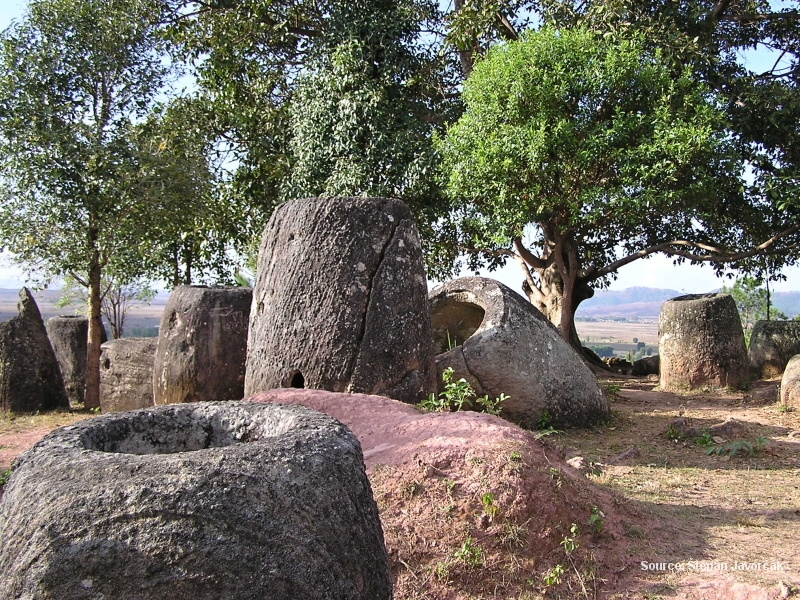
(730, 524)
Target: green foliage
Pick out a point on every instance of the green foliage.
(589, 150)
(570, 543)
(751, 301)
(74, 77)
(553, 575)
(543, 421)
(705, 439)
(489, 507)
(602, 351)
(356, 130)
(458, 395)
(596, 520)
(737, 448)
(470, 553)
(314, 98)
(4, 475)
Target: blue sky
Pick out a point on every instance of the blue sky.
(657, 271)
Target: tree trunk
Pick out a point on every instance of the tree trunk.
(560, 290)
(92, 398)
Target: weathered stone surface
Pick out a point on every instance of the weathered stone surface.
(193, 502)
(701, 343)
(790, 383)
(68, 335)
(202, 345)
(646, 366)
(340, 301)
(772, 344)
(504, 345)
(126, 374)
(30, 379)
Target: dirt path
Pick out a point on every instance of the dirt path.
(730, 523)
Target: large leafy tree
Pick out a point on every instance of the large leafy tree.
(315, 97)
(578, 155)
(753, 302)
(75, 76)
(362, 115)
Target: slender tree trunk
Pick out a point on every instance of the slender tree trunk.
(92, 398)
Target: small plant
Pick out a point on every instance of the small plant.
(596, 520)
(449, 486)
(673, 434)
(784, 408)
(570, 543)
(489, 507)
(513, 535)
(553, 576)
(470, 553)
(442, 570)
(732, 449)
(537, 435)
(458, 395)
(611, 391)
(95, 410)
(515, 462)
(705, 439)
(555, 475)
(492, 406)
(543, 422)
(4, 475)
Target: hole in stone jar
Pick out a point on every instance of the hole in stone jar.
(298, 381)
(453, 322)
(185, 429)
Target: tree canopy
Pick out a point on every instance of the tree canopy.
(577, 155)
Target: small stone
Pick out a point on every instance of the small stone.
(577, 462)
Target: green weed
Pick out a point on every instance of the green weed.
(459, 395)
(470, 553)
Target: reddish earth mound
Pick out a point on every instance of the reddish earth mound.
(473, 506)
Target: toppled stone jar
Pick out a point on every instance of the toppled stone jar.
(194, 501)
(500, 343)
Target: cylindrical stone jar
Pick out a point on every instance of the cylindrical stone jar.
(701, 344)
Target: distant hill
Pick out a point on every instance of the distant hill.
(645, 303)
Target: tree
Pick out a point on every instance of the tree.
(75, 76)
(115, 299)
(194, 230)
(577, 155)
(311, 97)
(752, 301)
(360, 118)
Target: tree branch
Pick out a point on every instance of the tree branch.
(716, 255)
(791, 15)
(528, 256)
(506, 29)
(718, 10)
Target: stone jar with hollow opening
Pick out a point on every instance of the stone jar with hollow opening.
(772, 345)
(500, 343)
(194, 502)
